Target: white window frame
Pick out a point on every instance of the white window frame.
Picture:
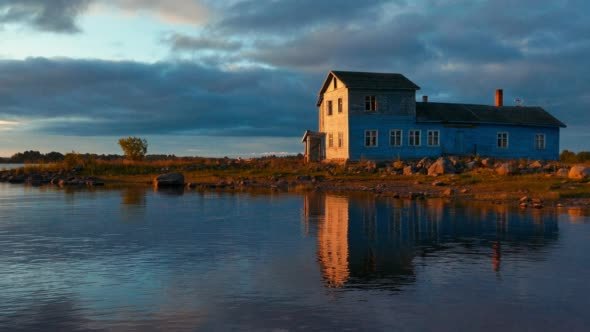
(500, 140)
(401, 137)
(371, 103)
(369, 135)
(329, 107)
(330, 140)
(428, 136)
(340, 139)
(412, 134)
(540, 137)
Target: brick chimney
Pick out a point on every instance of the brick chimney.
(424, 99)
(499, 98)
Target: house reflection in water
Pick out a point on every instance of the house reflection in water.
(369, 242)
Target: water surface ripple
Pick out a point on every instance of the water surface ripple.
(134, 259)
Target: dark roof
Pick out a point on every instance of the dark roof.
(371, 81)
(485, 114)
(381, 81)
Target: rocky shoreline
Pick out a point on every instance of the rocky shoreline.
(421, 179)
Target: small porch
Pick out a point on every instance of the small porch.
(314, 143)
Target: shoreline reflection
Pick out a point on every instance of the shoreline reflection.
(372, 242)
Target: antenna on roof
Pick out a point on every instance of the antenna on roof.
(519, 102)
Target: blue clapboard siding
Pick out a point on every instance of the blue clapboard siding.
(467, 140)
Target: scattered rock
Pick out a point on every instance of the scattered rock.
(408, 170)
(471, 165)
(562, 172)
(35, 179)
(16, 179)
(579, 172)
(487, 162)
(169, 180)
(398, 165)
(505, 169)
(438, 183)
(449, 192)
(536, 164)
(441, 166)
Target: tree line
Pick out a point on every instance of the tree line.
(567, 156)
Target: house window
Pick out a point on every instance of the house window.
(330, 109)
(330, 140)
(540, 141)
(502, 140)
(335, 84)
(370, 104)
(414, 138)
(370, 138)
(339, 105)
(340, 139)
(433, 138)
(395, 137)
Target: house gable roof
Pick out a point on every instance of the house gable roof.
(369, 81)
(485, 114)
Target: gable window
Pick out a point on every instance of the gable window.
(339, 105)
(329, 107)
(340, 139)
(330, 140)
(433, 138)
(395, 137)
(414, 138)
(502, 141)
(370, 103)
(335, 84)
(370, 138)
(540, 142)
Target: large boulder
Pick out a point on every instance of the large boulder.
(441, 166)
(562, 172)
(169, 180)
(579, 172)
(505, 169)
(536, 164)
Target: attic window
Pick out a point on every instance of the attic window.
(335, 84)
(370, 104)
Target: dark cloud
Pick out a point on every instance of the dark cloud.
(279, 16)
(44, 15)
(181, 42)
(88, 97)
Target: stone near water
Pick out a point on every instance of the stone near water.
(169, 180)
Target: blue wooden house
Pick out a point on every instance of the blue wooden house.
(375, 116)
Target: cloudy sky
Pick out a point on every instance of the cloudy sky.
(240, 77)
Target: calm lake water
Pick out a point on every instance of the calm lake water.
(134, 259)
